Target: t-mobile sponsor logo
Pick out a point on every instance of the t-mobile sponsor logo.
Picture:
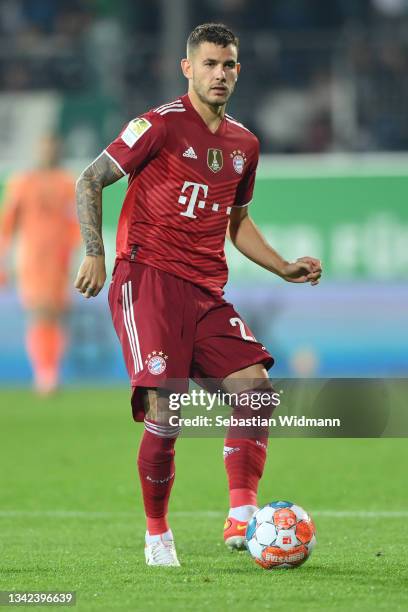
(192, 200)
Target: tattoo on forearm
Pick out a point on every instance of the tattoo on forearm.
(102, 172)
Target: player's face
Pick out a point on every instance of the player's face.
(213, 72)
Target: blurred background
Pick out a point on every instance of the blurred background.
(323, 85)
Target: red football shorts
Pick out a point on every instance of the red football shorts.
(170, 329)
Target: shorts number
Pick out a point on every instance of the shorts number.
(234, 322)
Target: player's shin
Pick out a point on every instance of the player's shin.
(157, 471)
(245, 451)
(45, 341)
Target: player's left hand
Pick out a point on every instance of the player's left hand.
(303, 270)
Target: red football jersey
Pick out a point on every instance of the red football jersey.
(183, 182)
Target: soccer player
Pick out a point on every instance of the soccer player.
(40, 206)
(191, 170)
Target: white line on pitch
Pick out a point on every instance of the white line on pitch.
(98, 515)
(359, 514)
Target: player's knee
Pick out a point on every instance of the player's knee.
(261, 400)
(158, 411)
(44, 314)
(257, 397)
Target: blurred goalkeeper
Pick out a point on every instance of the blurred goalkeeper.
(39, 207)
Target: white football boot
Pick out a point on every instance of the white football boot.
(161, 550)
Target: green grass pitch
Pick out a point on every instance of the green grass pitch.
(71, 518)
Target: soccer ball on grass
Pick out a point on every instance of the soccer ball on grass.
(280, 534)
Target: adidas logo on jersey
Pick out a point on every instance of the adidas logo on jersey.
(190, 153)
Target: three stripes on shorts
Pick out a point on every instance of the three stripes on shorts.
(130, 325)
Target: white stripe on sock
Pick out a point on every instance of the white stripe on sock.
(166, 432)
(159, 427)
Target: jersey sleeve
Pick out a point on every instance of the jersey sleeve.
(246, 185)
(138, 142)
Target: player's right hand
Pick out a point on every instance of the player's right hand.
(91, 275)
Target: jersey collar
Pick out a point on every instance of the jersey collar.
(221, 128)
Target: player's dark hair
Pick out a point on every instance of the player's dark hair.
(216, 33)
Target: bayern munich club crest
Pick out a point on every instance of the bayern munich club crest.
(156, 362)
(238, 160)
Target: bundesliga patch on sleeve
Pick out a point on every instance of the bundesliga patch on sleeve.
(135, 129)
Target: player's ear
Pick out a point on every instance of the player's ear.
(238, 67)
(186, 68)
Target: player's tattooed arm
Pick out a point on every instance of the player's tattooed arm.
(92, 273)
(102, 172)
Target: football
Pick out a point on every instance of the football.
(281, 534)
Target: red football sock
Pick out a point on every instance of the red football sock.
(156, 471)
(245, 450)
(244, 461)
